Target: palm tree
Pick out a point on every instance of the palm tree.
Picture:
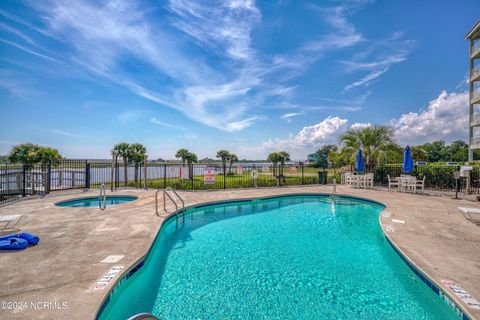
(137, 156)
(182, 154)
(376, 142)
(275, 158)
(224, 155)
(123, 150)
(233, 158)
(284, 157)
(191, 158)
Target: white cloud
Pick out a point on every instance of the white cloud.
(226, 25)
(381, 63)
(377, 58)
(131, 115)
(308, 139)
(360, 126)
(344, 34)
(103, 36)
(166, 125)
(365, 81)
(288, 116)
(35, 53)
(445, 118)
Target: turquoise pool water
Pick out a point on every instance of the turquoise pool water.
(296, 257)
(95, 201)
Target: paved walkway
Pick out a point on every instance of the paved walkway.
(64, 267)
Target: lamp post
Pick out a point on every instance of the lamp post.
(114, 160)
(145, 158)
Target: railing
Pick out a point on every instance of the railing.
(475, 73)
(475, 119)
(143, 316)
(176, 197)
(475, 50)
(102, 203)
(22, 180)
(475, 96)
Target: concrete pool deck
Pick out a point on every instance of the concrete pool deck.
(63, 269)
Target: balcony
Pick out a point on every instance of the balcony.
(475, 51)
(475, 119)
(475, 74)
(475, 96)
(475, 143)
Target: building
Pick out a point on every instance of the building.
(312, 158)
(473, 36)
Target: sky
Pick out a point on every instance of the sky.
(248, 76)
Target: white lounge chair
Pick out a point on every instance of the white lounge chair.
(471, 214)
(10, 221)
(393, 183)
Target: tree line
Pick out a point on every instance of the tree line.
(379, 147)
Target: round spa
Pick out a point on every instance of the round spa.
(95, 201)
(288, 257)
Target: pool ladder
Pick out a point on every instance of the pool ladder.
(143, 316)
(102, 204)
(174, 199)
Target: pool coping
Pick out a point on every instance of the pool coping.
(448, 297)
(94, 197)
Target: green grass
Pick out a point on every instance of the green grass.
(232, 181)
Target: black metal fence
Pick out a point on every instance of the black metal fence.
(21, 180)
(40, 179)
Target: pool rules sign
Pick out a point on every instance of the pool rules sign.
(209, 176)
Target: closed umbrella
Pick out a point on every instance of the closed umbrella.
(407, 160)
(359, 163)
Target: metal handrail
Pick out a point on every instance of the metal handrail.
(176, 194)
(165, 192)
(103, 194)
(143, 316)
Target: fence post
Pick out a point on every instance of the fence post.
(48, 178)
(165, 175)
(191, 172)
(145, 172)
(117, 174)
(382, 175)
(112, 174)
(224, 177)
(303, 175)
(24, 180)
(87, 175)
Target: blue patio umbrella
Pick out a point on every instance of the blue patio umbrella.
(359, 163)
(407, 160)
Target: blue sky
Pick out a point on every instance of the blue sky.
(250, 77)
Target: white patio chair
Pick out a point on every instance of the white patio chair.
(346, 178)
(421, 184)
(393, 183)
(368, 181)
(408, 184)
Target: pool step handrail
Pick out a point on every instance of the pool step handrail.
(173, 199)
(143, 316)
(102, 204)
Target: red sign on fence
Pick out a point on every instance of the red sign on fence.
(209, 176)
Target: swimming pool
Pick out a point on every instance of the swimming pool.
(95, 201)
(295, 257)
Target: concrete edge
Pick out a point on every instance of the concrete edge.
(455, 300)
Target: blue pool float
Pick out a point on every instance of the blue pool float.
(18, 241)
(13, 244)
